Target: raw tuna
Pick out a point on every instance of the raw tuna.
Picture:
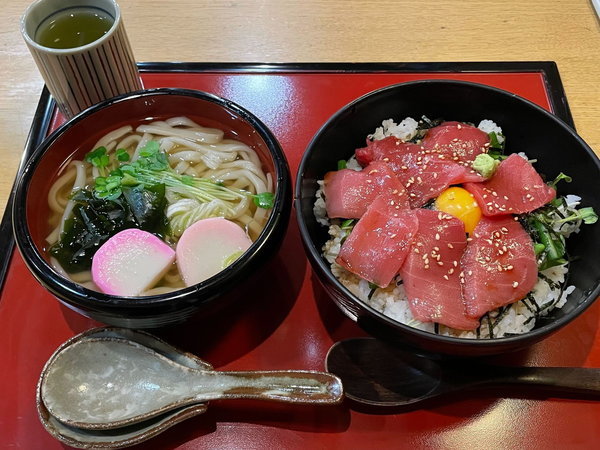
(457, 140)
(499, 265)
(379, 242)
(515, 188)
(424, 172)
(348, 193)
(431, 271)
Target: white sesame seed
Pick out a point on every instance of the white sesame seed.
(515, 284)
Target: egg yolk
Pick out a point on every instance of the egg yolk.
(461, 204)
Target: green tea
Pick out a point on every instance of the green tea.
(73, 27)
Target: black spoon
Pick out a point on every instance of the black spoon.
(374, 373)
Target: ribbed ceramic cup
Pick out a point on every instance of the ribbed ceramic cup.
(80, 77)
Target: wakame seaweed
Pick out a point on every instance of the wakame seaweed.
(93, 221)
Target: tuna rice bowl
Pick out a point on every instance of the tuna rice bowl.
(433, 225)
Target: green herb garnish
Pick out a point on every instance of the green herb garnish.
(122, 155)
(347, 224)
(561, 176)
(264, 200)
(497, 140)
(544, 225)
(152, 168)
(99, 158)
(587, 215)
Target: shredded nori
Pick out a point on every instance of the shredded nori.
(552, 284)
(502, 311)
(373, 288)
(490, 325)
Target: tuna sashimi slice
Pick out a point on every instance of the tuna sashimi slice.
(348, 193)
(515, 188)
(379, 242)
(431, 271)
(425, 173)
(499, 265)
(457, 140)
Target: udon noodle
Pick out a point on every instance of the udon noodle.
(192, 150)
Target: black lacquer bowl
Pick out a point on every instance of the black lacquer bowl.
(30, 209)
(527, 127)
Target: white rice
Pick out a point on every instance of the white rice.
(548, 293)
(392, 301)
(489, 126)
(405, 130)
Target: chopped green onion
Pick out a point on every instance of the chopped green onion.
(264, 200)
(341, 164)
(347, 224)
(496, 140)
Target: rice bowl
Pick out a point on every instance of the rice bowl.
(346, 130)
(549, 292)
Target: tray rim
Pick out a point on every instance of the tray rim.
(44, 112)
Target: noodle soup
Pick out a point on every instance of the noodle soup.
(161, 176)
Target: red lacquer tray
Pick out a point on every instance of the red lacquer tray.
(286, 320)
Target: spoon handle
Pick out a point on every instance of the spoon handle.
(575, 380)
(294, 386)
